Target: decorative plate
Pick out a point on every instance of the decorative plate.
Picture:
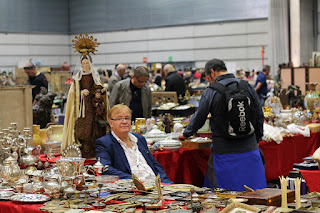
(72, 151)
(30, 198)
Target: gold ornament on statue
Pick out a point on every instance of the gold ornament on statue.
(85, 44)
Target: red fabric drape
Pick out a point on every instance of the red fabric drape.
(17, 207)
(312, 179)
(187, 166)
(281, 157)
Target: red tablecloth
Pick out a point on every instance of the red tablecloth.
(185, 165)
(43, 158)
(17, 207)
(281, 157)
(312, 179)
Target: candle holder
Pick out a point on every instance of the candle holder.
(85, 204)
(98, 204)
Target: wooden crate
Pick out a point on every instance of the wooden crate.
(164, 97)
(16, 106)
(187, 144)
(57, 81)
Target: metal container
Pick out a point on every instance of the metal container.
(71, 166)
(53, 147)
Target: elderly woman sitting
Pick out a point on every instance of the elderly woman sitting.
(126, 153)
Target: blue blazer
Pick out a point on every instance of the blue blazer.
(111, 153)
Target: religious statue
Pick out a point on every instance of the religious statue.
(167, 123)
(87, 103)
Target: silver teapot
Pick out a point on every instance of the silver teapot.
(52, 187)
(37, 185)
(29, 159)
(98, 168)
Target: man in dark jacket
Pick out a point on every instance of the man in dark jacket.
(174, 82)
(236, 162)
(35, 78)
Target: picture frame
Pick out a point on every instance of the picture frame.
(237, 207)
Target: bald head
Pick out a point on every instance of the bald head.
(121, 70)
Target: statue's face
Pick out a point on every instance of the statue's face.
(85, 65)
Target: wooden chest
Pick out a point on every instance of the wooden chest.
(267, 196)
(187, 144)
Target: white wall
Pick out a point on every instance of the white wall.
(238, 43)
(51, 50)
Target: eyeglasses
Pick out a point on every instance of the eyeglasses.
(28, 68)
(142, 82)
(126, 119)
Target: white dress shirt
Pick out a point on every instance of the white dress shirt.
(137, 162)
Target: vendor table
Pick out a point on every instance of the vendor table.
(189, 165)
(281, 157)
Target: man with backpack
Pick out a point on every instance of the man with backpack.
(236, 125)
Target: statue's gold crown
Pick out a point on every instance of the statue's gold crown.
(85, 44)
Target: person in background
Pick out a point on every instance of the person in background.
(117, 76)
(261, 85)
(35, 78)
(158, 77)
(188, 78)
(236, 161)
(104, 76)
(134, 93)
(127, 153)
(174, 82)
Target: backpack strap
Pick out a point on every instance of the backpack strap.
(219, 87)
(243, 85)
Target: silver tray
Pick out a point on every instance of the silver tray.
(5, 195)
(30, 198)
(72, 151)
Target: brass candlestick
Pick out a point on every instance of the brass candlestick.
(98, 204)
(85, 205)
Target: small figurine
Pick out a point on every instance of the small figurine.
(99, 105)
(167, 123)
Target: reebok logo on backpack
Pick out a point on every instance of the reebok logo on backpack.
(237, 116)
